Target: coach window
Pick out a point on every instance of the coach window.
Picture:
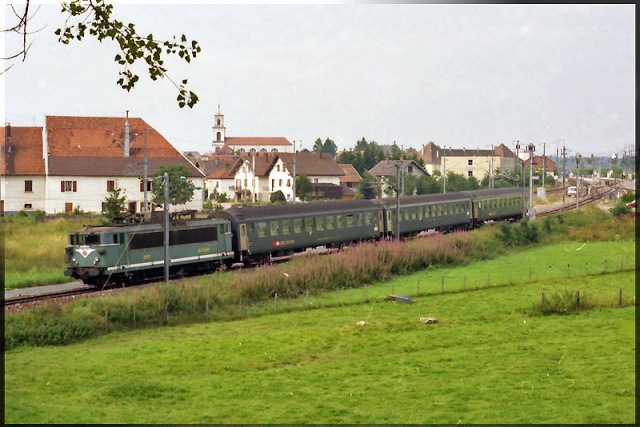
(330, 223)
(320, 223)
(262, 229)
(308, 224)
(286, 226)
(349, 220)
(297, 225)
(275, 226)
(339, 221)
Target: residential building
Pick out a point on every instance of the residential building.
(468, 162)
(73, 163)
(231, 176)
(349, 182)
(322, 170)
(389, 168)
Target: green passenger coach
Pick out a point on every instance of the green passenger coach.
(264, 233)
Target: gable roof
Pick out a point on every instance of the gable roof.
(104, 137)
(257, 141)
(389, 167)
(221, 167)
(22, 151)
(262, 163)
(350, 173)
(312, 164)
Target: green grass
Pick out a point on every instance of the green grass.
(34, 250)
(487, 360)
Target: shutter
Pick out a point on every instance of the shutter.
(142, 186)
(62, 186)
(75, 186)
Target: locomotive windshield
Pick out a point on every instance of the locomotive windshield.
(78, 239)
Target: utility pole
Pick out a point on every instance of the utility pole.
(544, 150)
(531, 148)
(167, 259)
(294, 172)
(144, 179)
(564, 165)
(578, 156)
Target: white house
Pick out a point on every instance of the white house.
(73, 163)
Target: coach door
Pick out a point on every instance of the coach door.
(244, 240)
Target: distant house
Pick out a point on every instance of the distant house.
(322, 170)
(73, 163)
(229, 175)
(473, 162)
(542, 161)
(349, 182)
(389, 168)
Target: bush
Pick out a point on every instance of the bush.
(620, 209)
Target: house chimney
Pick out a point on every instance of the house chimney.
(126, 135)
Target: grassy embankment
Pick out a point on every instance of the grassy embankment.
(493, 357)
(34, 250)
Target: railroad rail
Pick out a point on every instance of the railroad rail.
(23, 299)
(596, 195)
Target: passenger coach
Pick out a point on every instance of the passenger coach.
(264, 233)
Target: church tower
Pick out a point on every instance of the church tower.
(218, 131)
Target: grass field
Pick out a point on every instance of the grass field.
(487, 360)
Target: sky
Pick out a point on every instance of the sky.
(460, 75)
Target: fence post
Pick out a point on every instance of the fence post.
(307, 298)
(275, 302)
(443, 284)
(587, 268)
(620, 297)
(529, 274)
(365, 293)
(465, 282)
(568, 270)
(134, 316)
(489, 279)
(578, 298)
(510, 282)
(418, 292)
(622, 264)
(605, 266)
(542, 299)
(166, 313)
(106, 321)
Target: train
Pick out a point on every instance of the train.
(135, 252)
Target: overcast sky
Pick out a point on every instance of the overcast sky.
(458, 75)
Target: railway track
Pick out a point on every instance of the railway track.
(598, 193)
(25, 299)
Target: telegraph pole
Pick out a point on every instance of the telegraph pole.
(531, 148)
(564, 164)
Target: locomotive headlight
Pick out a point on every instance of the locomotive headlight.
(95, 260)
(74, 261)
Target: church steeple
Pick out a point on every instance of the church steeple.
(218, 130)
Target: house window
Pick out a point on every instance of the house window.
(288, 183)
(132, 207)
(149, 185)
(469, 173)
(278, 168)
(280, 183)
(28, 186)
(111, 185)
(66, 186)
(470, 162)
(273, 184)
(28, 206)
(410, 169)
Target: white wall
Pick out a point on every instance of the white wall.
(15, 197)
(91, 192)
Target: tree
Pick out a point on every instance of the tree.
(304, 188)
(95, 17)
(277, 197)
(180, 189)
(317, 146)
(114, 204)
(330, 147)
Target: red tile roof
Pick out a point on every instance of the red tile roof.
(22, 151)
(351, 174)
(218, 167)
(114, 166)
(313, 164)
(104, 137)
(257, 141)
